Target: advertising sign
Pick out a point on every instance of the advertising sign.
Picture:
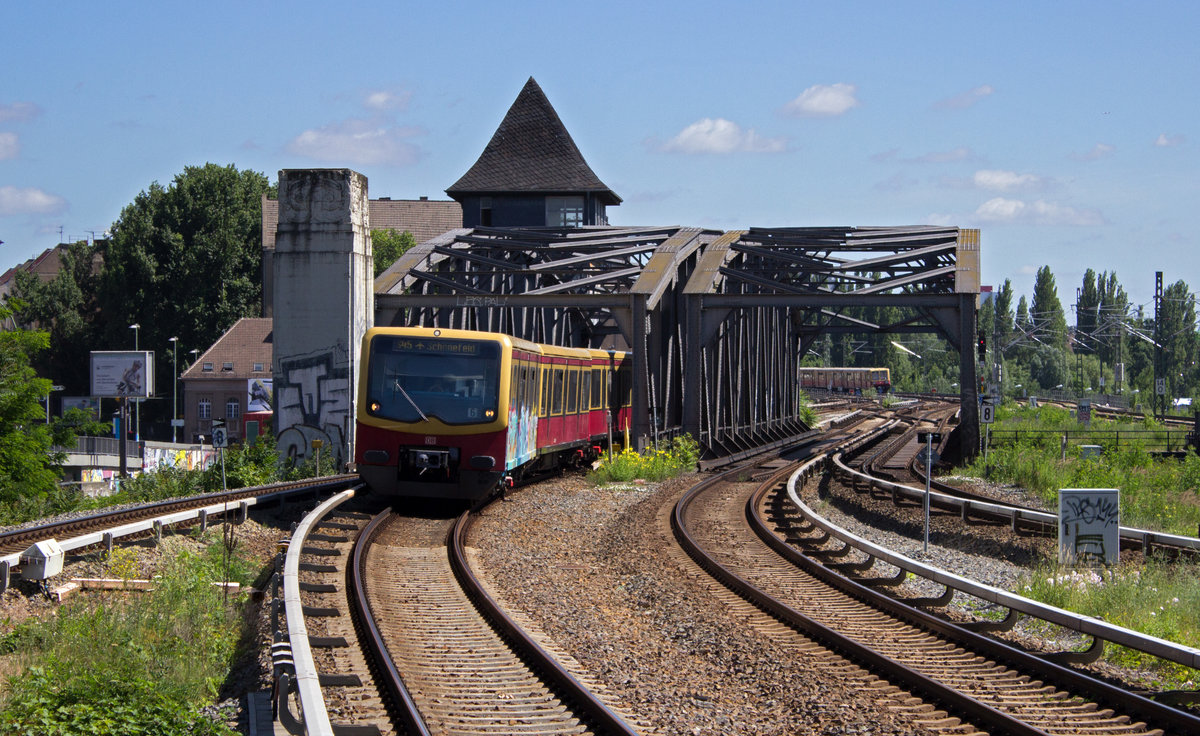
(1089, 526)
(123, 373)
(258, 394)
(89, 404)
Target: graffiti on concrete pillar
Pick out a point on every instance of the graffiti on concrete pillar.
(312, 400)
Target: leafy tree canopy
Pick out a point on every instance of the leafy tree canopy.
(28, 467)
(184, 261)
(388, 245)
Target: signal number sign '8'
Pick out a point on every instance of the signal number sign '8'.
(987, 414)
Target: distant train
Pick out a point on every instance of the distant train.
(846, 380)
(460, 414)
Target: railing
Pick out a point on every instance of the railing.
(1168, 440)
(103, 446)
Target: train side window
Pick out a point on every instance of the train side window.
(572, 391)
(585, 390)
(597, 382)
(556, 391)
(544, 409)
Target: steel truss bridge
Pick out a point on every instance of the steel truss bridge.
(718, 321)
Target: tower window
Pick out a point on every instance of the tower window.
(564, 211)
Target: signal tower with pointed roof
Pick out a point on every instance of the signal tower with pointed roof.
(531, 174)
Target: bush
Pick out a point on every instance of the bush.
(138, 664)
(678, 456)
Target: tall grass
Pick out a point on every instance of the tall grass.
(1162, 494)
(139, 663)
(1160, 598)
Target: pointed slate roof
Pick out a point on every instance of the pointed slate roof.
(531, 151)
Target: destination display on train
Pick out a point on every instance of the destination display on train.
(442, 347)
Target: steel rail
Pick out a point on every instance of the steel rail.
(372, 638)
(1096, 628)
(855, 651)
(167, 513)
(1015, 514)
(315, 717)
(598, 715)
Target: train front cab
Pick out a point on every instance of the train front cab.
(432, 416)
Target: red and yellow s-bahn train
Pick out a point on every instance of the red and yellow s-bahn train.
(846, 380)
(459, 414)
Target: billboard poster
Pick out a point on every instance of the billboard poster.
(258, 394)
(123, 373)
(89, 404)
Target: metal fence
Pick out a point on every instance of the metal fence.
(1151, 440)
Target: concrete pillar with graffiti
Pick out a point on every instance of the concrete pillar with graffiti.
(324, 302)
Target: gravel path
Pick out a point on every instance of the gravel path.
(596, 571)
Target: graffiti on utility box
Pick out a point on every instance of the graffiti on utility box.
(1089, 526)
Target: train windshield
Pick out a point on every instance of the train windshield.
(412, 379)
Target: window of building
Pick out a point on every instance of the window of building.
(233, 409)
(564, 211)
(204, 406)
(227, 365)
(258, 367)
(207, 367)
(485, 211)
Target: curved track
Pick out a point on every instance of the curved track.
(898, 642)
(459, 664)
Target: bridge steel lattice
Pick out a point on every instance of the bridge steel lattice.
(593, 287)
(717, 322)
(760, 298)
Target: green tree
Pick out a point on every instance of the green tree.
(1177, 313)
(184, 261)
(29, 469)
(388, 245)
(1046, 310)
(65, 307)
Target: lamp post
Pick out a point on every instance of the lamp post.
(137, 430)
(175, 388)
(195, 354)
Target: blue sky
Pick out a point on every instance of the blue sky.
(1065, 131)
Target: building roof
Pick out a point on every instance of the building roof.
(248, 342)
(424, 218)
(531, 151)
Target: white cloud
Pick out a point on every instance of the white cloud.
(1005, 181)
(1039, 212)
(1168, 140)
(940, 219)
(823, 101)
(29, 201)
(966, 99)
(722, 136)
(19, 111)
(1101, 150)
(360, 142)
(8, 146)
(385, 100)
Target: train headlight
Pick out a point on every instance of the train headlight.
(374, 407)
(489, 413)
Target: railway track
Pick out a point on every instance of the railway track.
(440, 655)
(950, 679)
(17, 540)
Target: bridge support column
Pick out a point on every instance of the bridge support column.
(968, 419)
(324, 301)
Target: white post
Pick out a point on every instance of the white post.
(928, 472)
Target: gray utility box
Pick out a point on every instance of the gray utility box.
(42, 561)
